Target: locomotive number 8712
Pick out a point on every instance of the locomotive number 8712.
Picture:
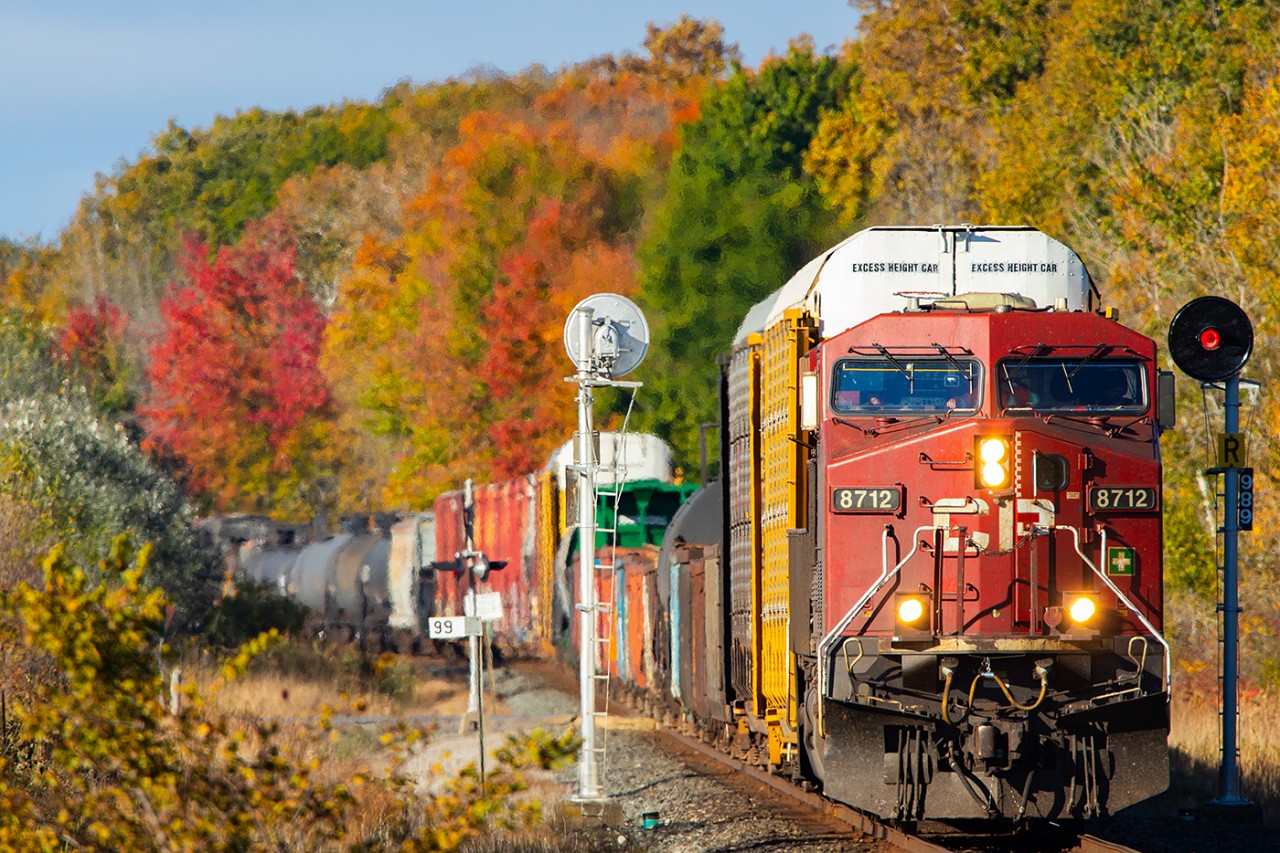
(943, 555)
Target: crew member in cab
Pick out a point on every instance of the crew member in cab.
(1016, 391)
(1113, 389)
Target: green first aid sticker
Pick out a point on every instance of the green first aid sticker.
(1120, 561)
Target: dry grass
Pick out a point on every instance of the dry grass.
(277, 696)
(1195, 743)
(293, 685)
(296, 681)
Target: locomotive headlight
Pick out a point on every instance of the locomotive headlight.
(993, 469)
(994, 475)
(1082, 607)
(911, 610)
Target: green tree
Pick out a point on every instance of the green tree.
(739, 217)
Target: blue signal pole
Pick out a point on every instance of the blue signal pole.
(1211, 338)
(1229, 774)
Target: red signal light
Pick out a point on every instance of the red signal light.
(1210, 338)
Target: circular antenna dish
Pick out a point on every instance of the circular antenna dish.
(617, 339)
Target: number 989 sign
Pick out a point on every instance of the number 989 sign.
(1244, 504)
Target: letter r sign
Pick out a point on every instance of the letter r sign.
(1232, 450)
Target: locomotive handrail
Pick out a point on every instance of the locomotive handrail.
(1168, 655)
(885, 574)
(965, 464)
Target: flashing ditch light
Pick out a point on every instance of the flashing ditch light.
(993, 470)
(911, 610)
(1081, 607)
(1210, 338)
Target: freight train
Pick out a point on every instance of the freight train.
(929, 579)
(381, 577)
(941, 572)
(369, 582)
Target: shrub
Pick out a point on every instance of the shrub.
(255, 607)
(87, 483)
(97, 761)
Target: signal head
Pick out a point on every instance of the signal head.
(1210, 338)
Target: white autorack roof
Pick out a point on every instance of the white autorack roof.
(860, 277)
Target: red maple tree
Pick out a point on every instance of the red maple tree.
(92, 343)
(236, 393)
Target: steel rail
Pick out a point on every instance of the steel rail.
(866, 824)
(863, 823)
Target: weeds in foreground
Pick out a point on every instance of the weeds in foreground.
(92, 757)
(1195, 743)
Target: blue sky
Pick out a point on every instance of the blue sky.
(85, 84)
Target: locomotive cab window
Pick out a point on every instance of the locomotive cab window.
(906, 385)
(1092, 386)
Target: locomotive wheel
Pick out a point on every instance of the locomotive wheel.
(812, 743)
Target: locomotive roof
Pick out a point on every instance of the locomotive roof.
(1001, 330)
(859, 277)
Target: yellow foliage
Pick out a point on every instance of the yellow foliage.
(99, 762)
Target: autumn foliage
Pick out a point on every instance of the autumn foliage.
(235, 391)
(93, 345)
(459, 320)
(376, 311)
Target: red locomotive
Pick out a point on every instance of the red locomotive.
(944, 547)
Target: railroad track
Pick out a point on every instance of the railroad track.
(833, 815)
(875, 829)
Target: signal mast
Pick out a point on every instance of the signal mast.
(606, 336)
(1210, 339)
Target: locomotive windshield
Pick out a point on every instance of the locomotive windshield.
(1072, 385)
(906, 385)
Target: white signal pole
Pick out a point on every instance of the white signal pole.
(584, 459)
(606, 337)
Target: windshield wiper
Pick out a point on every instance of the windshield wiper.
(1071, 389)
(902, 368)
(964, 370)
(1097, 351)
(1036, 350)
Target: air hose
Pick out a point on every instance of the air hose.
(1041, 673)
(949, 674)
